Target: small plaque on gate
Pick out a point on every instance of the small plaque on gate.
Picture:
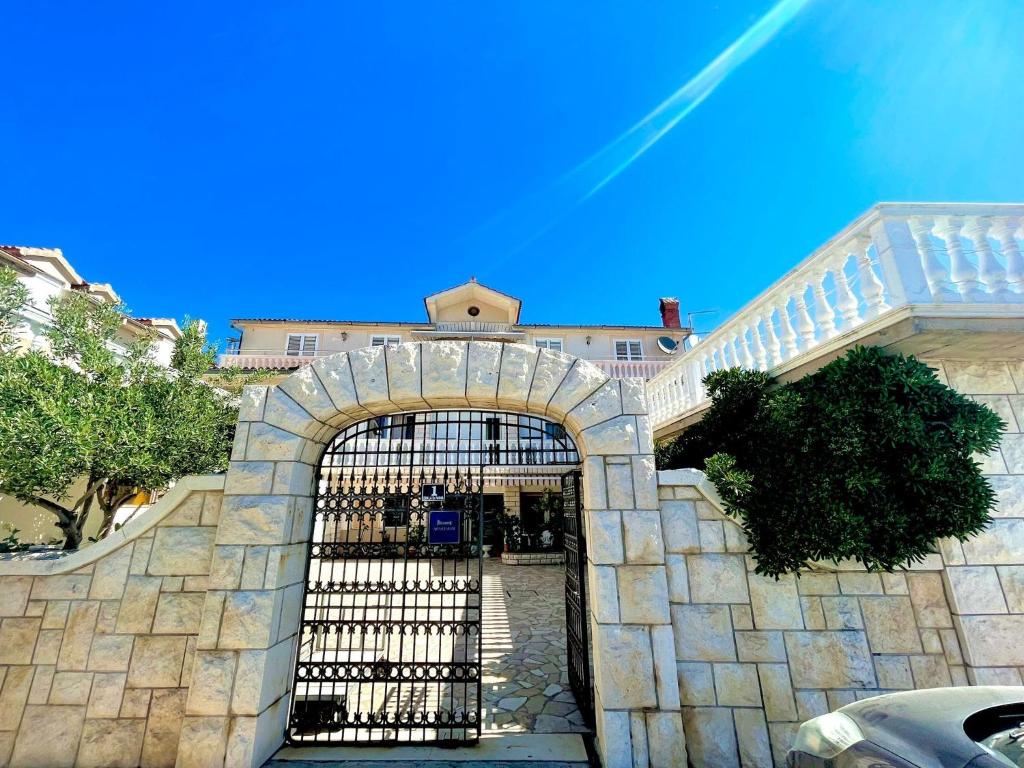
(443, 526)
(432, 492)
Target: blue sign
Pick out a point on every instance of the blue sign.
(443, 526)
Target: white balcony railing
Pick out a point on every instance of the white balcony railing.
(894, 256)
(274, 360)
(460, 328)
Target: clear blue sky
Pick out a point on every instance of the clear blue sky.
(342, 160)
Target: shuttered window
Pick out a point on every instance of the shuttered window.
(385, 341)
(301, 345)
(629, 349)
(555, 345)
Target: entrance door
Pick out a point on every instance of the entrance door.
(577, 644)
(390, 637)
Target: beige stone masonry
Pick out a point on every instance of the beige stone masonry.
(248, 625)
(99, 643)
(757, 656)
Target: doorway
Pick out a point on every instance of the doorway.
(391, 641)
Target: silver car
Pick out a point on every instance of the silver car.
(981, 727)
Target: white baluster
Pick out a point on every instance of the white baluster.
(730, 354)
(824, 316)
(760, 355)
(962, 272)
(746, 359)
(1004, 230)
(871, 287)
(935, 271)
(774, 345)
(804, 324)
(845, 300)
(736, 351)
(991, 272)
(788, 334)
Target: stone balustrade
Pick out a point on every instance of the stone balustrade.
(272, 359)
(953, 258)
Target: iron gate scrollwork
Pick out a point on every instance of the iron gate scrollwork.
(577, 645)
(390, 638)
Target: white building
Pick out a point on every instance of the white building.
(467, 311)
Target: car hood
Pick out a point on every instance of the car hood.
(926, 727)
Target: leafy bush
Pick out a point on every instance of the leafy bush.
(869, 458)
(94, 406)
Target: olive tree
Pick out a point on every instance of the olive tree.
(870, 458)
(93, 408)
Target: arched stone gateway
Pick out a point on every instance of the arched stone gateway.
(247, 641)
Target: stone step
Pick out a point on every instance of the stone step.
(417, 763)
(513, 750)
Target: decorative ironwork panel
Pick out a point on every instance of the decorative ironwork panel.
(390, 645)
(577, 645)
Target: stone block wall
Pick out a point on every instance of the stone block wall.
(96, 648)
(756, 657)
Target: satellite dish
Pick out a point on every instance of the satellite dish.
(668, 345)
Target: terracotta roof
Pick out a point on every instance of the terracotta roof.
(427, 325)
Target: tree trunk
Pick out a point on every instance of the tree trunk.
(72, 535)
(110, 500)
(69, 523)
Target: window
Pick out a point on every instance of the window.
(492, 427)
(554, 431)
(402, 426)
(555, 345)
(301, 344)
(629, 349)
(385, 341)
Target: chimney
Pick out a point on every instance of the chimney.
(669, 312)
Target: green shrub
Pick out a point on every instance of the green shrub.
(870, 458)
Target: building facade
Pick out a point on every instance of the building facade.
(467, 312)
(183, 639)
(470, 311)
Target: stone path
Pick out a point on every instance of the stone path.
(525, 673)
(418, 763)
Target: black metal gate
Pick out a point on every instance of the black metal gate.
(390, 638)
(577, 646)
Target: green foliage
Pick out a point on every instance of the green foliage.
(11, 542)
(13, 297)
(95, 408)
(233, 382)
(869, 458)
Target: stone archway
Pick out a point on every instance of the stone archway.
(243, 662)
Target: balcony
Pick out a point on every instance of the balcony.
(250, 360)
(470, 329)
(918, 278)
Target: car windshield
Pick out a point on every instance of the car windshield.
(1007, 746)
(1000, 732)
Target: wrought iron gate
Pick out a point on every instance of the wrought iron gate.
(577, 646)
(390, 638)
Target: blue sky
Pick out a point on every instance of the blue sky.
(335, 160)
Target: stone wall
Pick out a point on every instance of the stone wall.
(96, 648)
(253, 622)
(756, 656)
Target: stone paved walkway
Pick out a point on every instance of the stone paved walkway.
(525, 673)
